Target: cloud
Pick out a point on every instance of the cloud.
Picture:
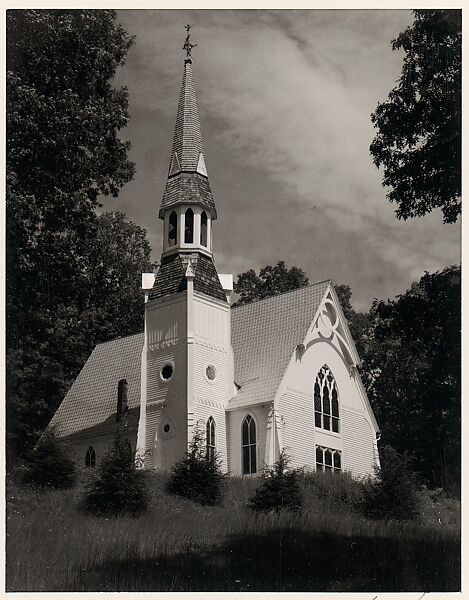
(285, 99)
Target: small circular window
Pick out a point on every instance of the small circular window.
(210, 372)
(166, 428)
(167, 372)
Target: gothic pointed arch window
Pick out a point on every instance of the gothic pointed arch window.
(173, 229)
(189, 226)
(326, 401)
(210, 438)
(249, 445)
(203, 229)
(90, 457)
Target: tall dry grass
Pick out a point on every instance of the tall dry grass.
(180, 546)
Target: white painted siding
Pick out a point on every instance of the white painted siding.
(358, 455)
(298, 431)
(295, 404)
(202, 412)
(166, 400)
(234, 422)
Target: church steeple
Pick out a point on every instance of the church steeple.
(187, 207)
(187, 176)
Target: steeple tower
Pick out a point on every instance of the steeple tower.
(187, 358)
(187, 208)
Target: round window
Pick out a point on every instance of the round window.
(210, 372)
(166, 428)
(167, 372)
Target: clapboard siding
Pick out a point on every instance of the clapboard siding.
(298, 431)
(234, 422)
(357, 434)
(202, 412)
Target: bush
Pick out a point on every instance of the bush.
(279, 489)
(197, 476)
(392, 493)
(118, 486)
(50, 464)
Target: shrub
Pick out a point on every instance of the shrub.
(50, 464)
(197, 476)
(392, 493)
(279, 489)
(118, 486)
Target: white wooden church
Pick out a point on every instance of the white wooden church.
(279, 373)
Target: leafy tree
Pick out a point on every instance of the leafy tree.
(279, 488)
(107, 303)
(197, 476)
(418, 142)
(412, 372)
(392, 493)
(358, 322)
(270, 282)
(118, 487)
(69, 272)
(50, 464)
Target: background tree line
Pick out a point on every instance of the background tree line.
(73, 275)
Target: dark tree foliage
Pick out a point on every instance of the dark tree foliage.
(412, 372)
(358, 322)
(69, 272)
(50, 464)
(418, 142)
(270, 282)
(197, 476)
(279, 489)
(392, 493)
(118, 486)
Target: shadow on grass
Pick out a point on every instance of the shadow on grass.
(288, 560)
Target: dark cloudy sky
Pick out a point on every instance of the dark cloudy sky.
(285, 99)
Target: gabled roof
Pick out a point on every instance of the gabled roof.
(264, 335)
(92, 399)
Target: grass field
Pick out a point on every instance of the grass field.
(180, 546)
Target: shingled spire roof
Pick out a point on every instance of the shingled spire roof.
(187, 177)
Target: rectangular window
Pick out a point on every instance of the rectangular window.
(328, 459)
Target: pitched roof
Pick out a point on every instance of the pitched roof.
(187, 178)
(171, 276)
(93, 396)
(264, 336)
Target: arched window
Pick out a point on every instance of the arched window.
(173, 229)
(326, 401)
(203, 229)
(189, 227)
(210, 438)
(90, 457)
(121, 399)
(249, 446)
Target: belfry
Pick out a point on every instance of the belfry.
(255, 379)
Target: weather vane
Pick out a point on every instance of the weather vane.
(187, 45)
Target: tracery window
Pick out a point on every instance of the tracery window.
(249, 446)
(90, 457)
(326, 401)
(210, 438)
(189, 227)
(203, 229)
(173, 229)
(328, 459)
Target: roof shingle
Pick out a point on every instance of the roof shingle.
(264, 336)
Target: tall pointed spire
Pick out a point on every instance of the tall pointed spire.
(187, 177)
